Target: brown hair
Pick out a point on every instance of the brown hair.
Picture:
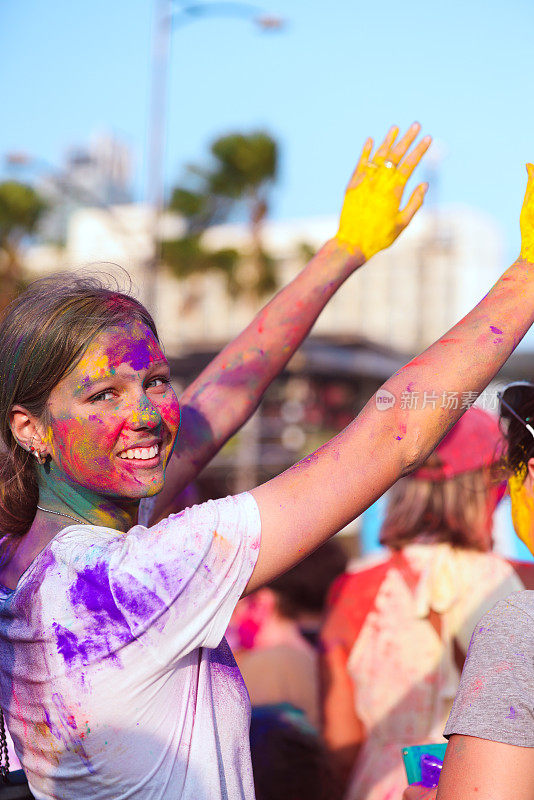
(43, 334)
(453, 510)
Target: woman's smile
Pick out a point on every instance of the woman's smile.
(141, 453)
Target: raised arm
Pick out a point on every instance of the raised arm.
(229, 390)
(311, 501)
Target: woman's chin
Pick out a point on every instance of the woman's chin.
(133, 491)
(138, 492)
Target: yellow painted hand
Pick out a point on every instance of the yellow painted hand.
(371, 217)
(526, 220)
(522, 508)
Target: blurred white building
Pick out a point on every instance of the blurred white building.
(97, 174)
(404, 298)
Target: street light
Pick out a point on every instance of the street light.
(169, 14)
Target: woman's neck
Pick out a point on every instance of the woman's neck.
(57, 493)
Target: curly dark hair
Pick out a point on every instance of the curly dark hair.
(517, 416)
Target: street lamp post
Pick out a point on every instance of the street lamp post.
(168, 14)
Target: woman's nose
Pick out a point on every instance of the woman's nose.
(146, 415)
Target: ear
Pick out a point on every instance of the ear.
(529, 479)
(27, 429)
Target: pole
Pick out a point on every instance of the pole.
(164, 15)
(161, 39)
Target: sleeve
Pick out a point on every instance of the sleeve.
(495, 699)
(178, 582)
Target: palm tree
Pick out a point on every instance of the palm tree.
(241, 175)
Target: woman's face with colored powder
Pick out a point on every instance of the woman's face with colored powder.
(114, 418)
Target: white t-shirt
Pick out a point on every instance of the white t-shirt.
(115, 678)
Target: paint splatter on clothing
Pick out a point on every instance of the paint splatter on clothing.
(496, 696)
(114, 674)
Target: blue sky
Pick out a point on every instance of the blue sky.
(338, 72)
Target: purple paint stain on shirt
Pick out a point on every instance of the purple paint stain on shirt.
(100, 628)
(62, 725)
(45, 561)
(226, 676)
(93, 590)
(108, 616)
(512, 714)
(141, 604)
(68, 645)
(493, 329)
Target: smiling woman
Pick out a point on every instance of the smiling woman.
(115, 678)
(67, 350)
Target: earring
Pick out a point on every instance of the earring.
(41, 458)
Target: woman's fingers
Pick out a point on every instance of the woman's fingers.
(404, 144)
(412, 160)
(389, 151)
(526, 218)
(413, 205)
(362, 163)
(383, 151)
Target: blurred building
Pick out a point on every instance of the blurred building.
(98, 174)
(405, 298)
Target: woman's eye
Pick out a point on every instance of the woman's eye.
(159, 381)
(107, 394)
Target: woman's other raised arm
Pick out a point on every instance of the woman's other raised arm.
(308, 503)
(229, 390)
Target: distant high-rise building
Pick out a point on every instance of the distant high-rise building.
(102, 171)
(99, 174)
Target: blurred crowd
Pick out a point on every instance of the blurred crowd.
(347, 662)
